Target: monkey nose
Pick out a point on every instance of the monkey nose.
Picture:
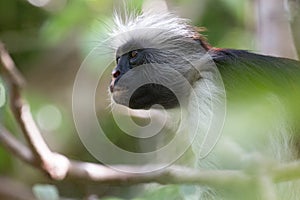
(116, 73)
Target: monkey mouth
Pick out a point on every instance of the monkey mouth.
(145, 97)
(152, 94)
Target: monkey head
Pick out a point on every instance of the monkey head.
(153, 63)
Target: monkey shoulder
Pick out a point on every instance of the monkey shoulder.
(247, 64)
(246, 71)
(232, 57)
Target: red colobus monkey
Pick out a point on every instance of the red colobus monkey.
(162, 61)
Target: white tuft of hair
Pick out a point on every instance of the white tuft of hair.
(149, 28)
(151, 19)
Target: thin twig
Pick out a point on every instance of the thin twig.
(10, 68)
(15, 147)
(55, 165)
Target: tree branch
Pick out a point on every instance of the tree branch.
(15, 147)
(293, 7)
(56, 165)
(170, 175)
(104, 175)
(272, 26)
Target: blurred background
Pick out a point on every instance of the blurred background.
(48, 40)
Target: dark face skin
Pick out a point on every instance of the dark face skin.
(145, 96)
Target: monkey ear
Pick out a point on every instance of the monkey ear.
(157, 6)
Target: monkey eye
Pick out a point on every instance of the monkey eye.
(133, 54)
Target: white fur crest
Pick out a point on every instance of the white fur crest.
(149, 28)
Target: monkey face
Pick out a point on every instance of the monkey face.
(141, 82)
